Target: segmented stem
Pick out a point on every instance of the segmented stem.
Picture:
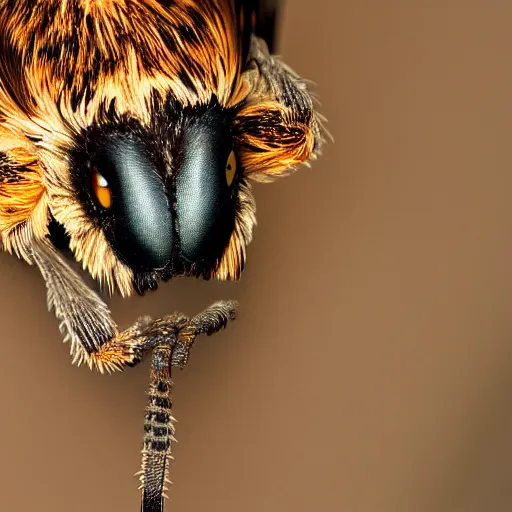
(175, 335)
(158, 432)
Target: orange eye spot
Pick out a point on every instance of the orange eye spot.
(231, 168)
(101, 189)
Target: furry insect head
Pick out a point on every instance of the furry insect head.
(135, 127)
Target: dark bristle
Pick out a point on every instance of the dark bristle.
(161, 401)
(58, 236)
(145, 281)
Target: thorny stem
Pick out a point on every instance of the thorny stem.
(172, 350)
(158, 431)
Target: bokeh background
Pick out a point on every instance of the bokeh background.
(370, 368)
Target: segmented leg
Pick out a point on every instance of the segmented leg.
(174, 344)
(158, 432)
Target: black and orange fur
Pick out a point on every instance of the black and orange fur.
(69, 67)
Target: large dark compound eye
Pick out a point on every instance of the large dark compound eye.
(138, 219)
(204, 207)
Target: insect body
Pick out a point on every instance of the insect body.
(134, 127)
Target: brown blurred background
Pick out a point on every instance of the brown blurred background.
(371, 366)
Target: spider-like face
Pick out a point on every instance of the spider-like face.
(140, 124)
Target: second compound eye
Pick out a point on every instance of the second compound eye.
(101, 189)
(231, 168)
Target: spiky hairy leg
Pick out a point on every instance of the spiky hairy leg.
(158, 432)
(172, 349)
(95, 339)
(128, 347)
